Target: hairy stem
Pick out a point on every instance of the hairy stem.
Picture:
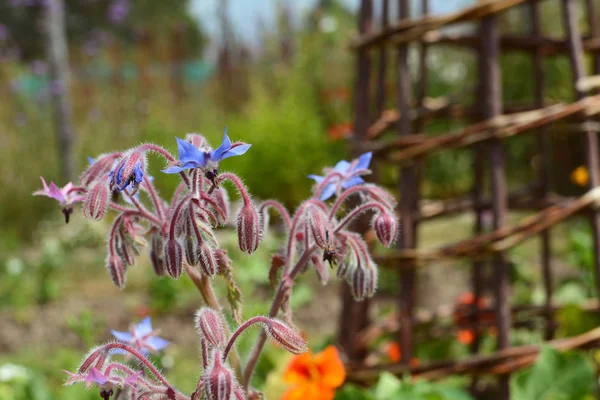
(275, 306)
(358, 211)
(256, 320)
(202, 283)
(280, 208)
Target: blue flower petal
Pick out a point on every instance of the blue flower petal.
(236, 151)
(342, 167)
(188, 152)
(143, 328)
(327, 192)
(355, 180)
(364, 161)
(138, 172)
(157, 343)
(225, 146)
(317, 178)
(122, 336)
(91, 160)
(173, 170)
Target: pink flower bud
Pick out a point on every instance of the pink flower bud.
(285, 336)
(219, 382)
(129, 171)
(322, 271)
(114, 265)
(386, 228)
(211, 326)
(96, 201)
(222, 258)
(248, 228)
(191, 250)
(173, 258)
(319, 226)
(363, 282)
(98, 170)
(157, 255)
(207, 261)
(221, 199)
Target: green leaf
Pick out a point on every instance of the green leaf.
(353, 392)
(554, 376)
(387, 386)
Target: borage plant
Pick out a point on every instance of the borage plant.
(181, 238)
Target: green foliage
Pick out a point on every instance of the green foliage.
(555, 376)
(391, 388)
(86, 327)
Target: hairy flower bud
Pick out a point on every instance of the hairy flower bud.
(285, 336)
(320, 268)
(319, 226)
(211, 326)
(114, 265)
(248, 228)
(128, 171)
(219, 382)
(191, 250)
(363, 282)
(96, 202)
(98, 169)
(207, 260)
(221, 199)
(222, 259)
(157, 255)
(386, 228)
(173, 258)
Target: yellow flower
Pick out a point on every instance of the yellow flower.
(580, 176)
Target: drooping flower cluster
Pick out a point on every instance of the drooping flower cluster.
(179, 233)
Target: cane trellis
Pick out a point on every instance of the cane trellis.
(382, 40)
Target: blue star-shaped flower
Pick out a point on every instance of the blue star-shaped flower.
(142, 338)
(349, 175)
(192, 157)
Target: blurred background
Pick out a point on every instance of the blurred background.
(280, 75)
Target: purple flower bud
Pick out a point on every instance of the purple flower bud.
(248, 228)
(114, 265)
(288, 338)
(386, 228)
(173, 258)
(219, 380)
(96, 202)
(319, 226)
(211, 326)
(157, 255)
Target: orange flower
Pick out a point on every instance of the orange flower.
(395, 354)
(314, 377)
(340, 131)
(393, 351)
(466, 336)
(580, 176)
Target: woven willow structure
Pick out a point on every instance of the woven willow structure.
(382, 41)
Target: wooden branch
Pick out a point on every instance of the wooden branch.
(499, 127)
(412, 29)
(499, 240)
(506, 360)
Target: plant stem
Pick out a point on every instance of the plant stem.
(202, 283)
(275, 306)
